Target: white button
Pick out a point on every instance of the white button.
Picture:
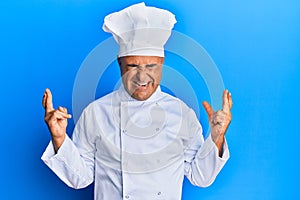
(159, 193)
(157, 129)
(127, 196)
(124, 131)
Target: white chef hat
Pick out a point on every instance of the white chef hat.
(140, 30)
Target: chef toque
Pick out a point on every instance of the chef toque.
(140, 30)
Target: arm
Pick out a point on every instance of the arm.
(71, 161)
(205, 159)
(202, 163)
(56, 120)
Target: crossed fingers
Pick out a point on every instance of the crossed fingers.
(226, 106)
(60, 113)
(220, 119)
(227, 101)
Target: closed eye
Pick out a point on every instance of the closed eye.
(132, 65)
(151, 65)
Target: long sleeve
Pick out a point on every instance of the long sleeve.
(74, 161)
(202, 161)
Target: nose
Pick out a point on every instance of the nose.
(141, 73)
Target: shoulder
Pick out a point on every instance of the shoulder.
(172, 101)
(176, 105)
(102, 102)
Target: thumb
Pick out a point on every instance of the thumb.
(208, 109)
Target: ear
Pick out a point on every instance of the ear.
(162, 60)
(119, 61)
(120, 65)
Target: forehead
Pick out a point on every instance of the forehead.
(142, 60)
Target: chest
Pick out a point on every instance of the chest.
(140, 137)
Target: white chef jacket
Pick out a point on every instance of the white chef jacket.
(136, 150)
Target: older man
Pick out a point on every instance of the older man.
(137, 142)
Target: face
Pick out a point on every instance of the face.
(141, 75)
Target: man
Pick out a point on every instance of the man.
(137, 142)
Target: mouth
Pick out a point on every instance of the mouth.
(141, 84)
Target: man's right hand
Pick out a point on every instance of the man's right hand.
(56, 120)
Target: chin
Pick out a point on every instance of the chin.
(141, 97)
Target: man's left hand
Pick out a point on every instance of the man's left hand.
(219, 120)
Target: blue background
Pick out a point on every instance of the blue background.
(255, 44)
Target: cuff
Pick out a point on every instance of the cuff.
(50, 153)
(209, 146)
